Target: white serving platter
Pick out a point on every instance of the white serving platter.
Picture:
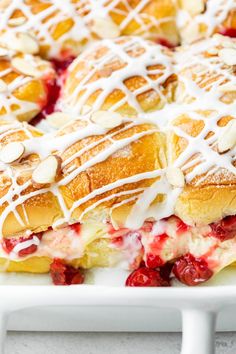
(30, 302)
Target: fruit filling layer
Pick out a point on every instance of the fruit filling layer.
(194, 253)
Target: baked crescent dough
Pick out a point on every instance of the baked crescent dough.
(63, 28)
(24, 80)
(128, 75)
(198, 19)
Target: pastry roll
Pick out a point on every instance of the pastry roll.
(70, 186)
(56, 26)
(151, 19)
(128, 75)
(24, 82)
(198, 19)
(63, 28)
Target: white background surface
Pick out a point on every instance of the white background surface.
(106, 343)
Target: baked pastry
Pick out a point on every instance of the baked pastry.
(24, 84)
(70, 186)
(140, 174)
(63, 28)
(151, 19)
(128, 75)
(55, 25)
(198, 19)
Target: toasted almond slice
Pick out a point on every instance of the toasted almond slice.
(228, 87)
(194, 7)
(224, 41)
(12, 152)
(47, 170)
(85, 109)
(4, 4)
(105, 28)
(17, 21)
(228, 138)
(191, 33)
(228, 56)
(58, 119)
(107, 119)
(24, 43)
(175, 177)
(24, 67)
(3, 86)
(3, 52)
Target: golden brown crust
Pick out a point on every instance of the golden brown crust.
(41, 211)
(101, 78)
(25, 93)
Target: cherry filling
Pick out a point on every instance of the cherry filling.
(145, 277)
(165, 43)
(225, 229)
(230, 32)
(8, 244)
(63, 274)
(191, 271)
(53, 89)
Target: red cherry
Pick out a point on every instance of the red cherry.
(191, 271)
(153, 261)
(8, 244)
(63, 274)
(224, 229)
(181, 227)
(230, 32)
(61, 65)
(165, 43)
(76, 227)
(145, 277)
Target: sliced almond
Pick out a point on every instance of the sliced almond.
(175, 177)
(228, 87)
(85, 109)
(105, 28)
(17, 21)
(3, 86)
(224, 41)
(4, 4)
(194, 7)
(24, 43)
(228, 56)
(12, 152)
(47, 171)
(228, 139)
(3, 52)
(107, 119)
(191, 33)
(58, 119)
(24, 67)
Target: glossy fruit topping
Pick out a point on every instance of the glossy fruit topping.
(9, 244)
(225, 229)
(191, 271)
(164, 42)
(153, 261)
(145, 277)
(63, 274)
(230, 32)
(181, 226)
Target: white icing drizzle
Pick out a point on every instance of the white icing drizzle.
(44, 23)
(194, 70)
(135, 57)
(12, 107)
(82, 14)
(215, 14)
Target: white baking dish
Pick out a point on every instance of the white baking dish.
(116, 308)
